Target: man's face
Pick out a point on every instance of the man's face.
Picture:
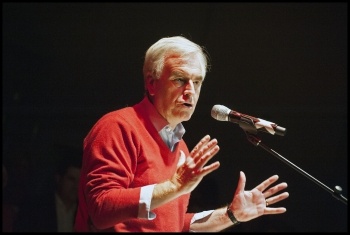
(176, 92)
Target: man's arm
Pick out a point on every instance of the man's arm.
(214, 222)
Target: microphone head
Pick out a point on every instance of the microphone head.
(220, 112)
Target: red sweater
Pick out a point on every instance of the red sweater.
(123, 152)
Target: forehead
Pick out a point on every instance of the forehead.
(184, 64)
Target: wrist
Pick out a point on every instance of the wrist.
(231, 216)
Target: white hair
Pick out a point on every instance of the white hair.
(159, 51)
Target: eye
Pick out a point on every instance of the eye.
(179, 82)
(197, 83)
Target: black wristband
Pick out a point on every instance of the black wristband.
(231, 216)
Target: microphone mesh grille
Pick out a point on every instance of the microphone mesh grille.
(220, 112)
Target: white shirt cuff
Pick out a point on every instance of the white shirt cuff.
(145, 203)
(200, 215)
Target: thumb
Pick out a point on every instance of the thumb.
(182, 159)
(241, 183)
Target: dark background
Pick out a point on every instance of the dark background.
(67, 64)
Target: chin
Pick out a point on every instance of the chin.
(186, 117)
(183, 115)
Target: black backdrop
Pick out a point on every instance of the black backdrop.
(67, 64)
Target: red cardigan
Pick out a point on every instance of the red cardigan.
(123, 152)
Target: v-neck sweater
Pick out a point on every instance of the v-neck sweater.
(123, 152)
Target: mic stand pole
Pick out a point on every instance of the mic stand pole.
(248, 126)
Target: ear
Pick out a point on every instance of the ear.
(150, 85)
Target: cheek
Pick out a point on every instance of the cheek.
(163, 95)
(196, 95)
(171, 93)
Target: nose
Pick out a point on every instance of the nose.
(189, 89)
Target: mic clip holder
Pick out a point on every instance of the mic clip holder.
(250, 130)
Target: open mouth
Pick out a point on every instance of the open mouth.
(188, 105)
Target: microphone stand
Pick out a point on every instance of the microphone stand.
(248, 126)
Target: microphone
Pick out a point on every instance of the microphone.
(222, 113)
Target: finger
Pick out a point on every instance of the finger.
(209, 153)
(275, 189)
(273, 211)
(198, 146)
(206, 150)
(272, 200)
(208, 169)
(205, 147)
(266, 183)
(196, 167)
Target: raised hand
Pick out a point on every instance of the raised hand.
(190, 173)
(247, 205)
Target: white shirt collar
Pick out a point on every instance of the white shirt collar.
(170, 137)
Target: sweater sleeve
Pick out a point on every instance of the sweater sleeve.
(187, 222)
(110, 153)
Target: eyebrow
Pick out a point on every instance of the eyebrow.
(182, 74)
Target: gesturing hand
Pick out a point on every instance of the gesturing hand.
(190, 173)
(247, 205)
